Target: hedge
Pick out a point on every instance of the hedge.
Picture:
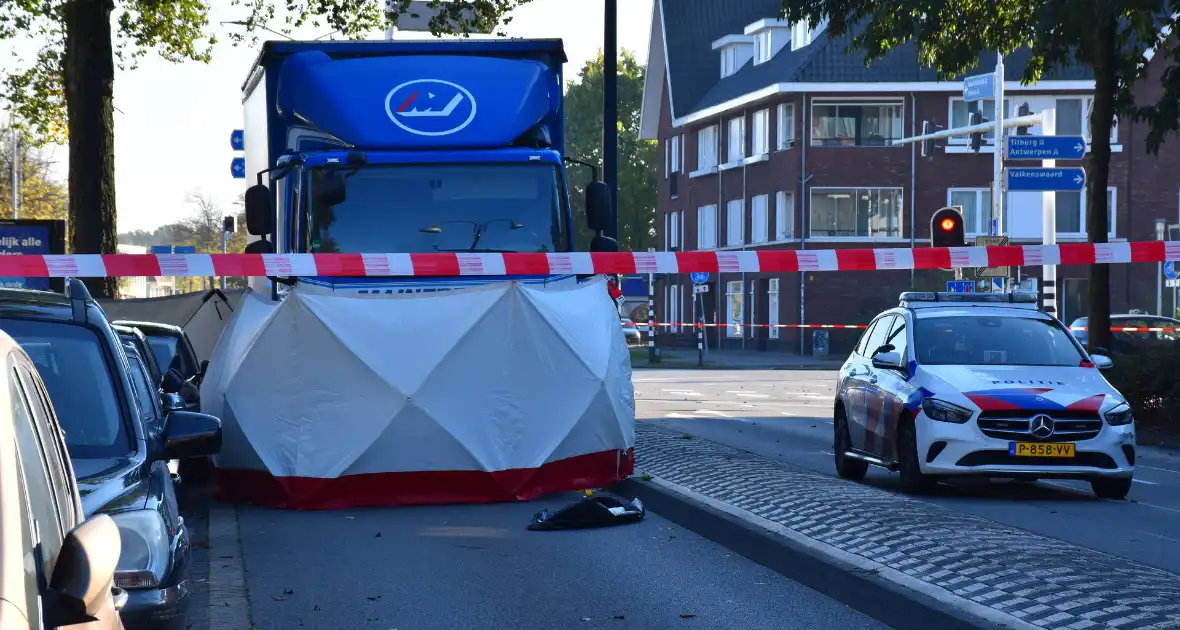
(1150, 381)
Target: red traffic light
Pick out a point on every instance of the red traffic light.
(946, 228)
(948, 224)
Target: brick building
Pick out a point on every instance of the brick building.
(774, 137)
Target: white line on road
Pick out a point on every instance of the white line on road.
(1150, 483)
(682, 392)
(1167, 470)
(751, 395)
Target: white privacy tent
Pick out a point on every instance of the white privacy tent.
(500, 392)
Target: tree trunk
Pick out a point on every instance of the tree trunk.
(90, 96)
(1097, 212)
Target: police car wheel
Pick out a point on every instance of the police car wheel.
(913, 481)
(846, 467)
(1111, 488)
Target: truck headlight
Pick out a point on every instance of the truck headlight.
(146, 549)
(1119, 415)
(945, 412)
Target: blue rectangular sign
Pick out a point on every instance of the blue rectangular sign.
(1046, 147)
(960, 286)
(1046, 179)
(185, 249)
(24, 239)
(161, 249)
(979, 87)
(237, 168)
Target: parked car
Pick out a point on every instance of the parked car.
(630, 331)
(1125, 342)
(120, 433)
(57, 570)
(170, 379)
(172, 348)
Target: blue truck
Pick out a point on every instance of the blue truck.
(412, 147)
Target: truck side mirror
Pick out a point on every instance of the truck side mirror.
(599, 214)
(260, 214)
(329, 187)
(602, 243)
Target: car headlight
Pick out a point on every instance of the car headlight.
(146, 549)
(1119, 415)
(945, 412)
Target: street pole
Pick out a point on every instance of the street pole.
(1161, 233)
(1049, 219)
(15, 174)
(651, 319)
(610, 110)
(224, 250)
(996, 228)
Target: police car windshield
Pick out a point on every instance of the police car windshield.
(993, 340)
(441, 208)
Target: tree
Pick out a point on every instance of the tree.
(638, 159)
(1110, 37)
(41, 196)
(67, 91)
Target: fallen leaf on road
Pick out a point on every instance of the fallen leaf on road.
(371, 618)
(288, 591)
(620, 617)
(316, 607)
(373, 598)
(350, 518)
(585, 619)
(687, 615)
(378, 535)
(278, 599)
(224, 557)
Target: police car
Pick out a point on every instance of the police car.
(980, 385)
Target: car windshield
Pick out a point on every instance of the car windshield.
(168, 355)
(993, 340)
(79, 380)
(441, 208)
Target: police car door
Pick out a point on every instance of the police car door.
(859, 381)
(886, 392)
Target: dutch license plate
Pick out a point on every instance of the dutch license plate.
(1037, 449)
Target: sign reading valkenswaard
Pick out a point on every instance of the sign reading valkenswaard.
(1046, 179)
(430, 107)
(979, 87)
(1046, 148)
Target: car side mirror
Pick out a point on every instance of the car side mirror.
(172, 381)
(190, 434)
(172, 402)
(887, 361)
(83, 578)
(260, 214)
(599, 213)
(1101, 361)
(260, 247)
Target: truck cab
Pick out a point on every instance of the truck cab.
(435, 146)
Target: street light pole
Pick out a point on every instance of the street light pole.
(610, 110)
(1161, 228)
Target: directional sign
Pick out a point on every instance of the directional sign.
(1170, 270)
(237, 140)
(699, 277)
(960, 286)
(979, 87)
(991, 272)
(1046, 179)
(1046, 148)
(238, 168)
(184, 249)
(161, 249)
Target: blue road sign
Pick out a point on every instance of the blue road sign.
(1170, 270)
(238, 168)
(184, 249)
(161, 249)
(1046, 179)
(699, 277)
(237, 140)
(1046, 147)
(960, 286)
(979, 87)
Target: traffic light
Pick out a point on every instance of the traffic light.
(228, 224)
(925, 143)
(976, 138)
(1023, 110)
(946, 228)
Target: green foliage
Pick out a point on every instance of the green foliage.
(42, 195)
(1149, 383)
(638, 160)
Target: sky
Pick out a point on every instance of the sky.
(161, 104)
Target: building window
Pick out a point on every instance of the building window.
(961, 117)
(772, 308)
(676, 242)
(1071, 212)
(1114, 127)
(735, 212)
(976, 204)
(707, 227)
(674, 309)
(855, 123)
(760, 140)
(784, 215)
(707, 148)
(759, 218)
(674, 154)
(735, 307)
(736, 148)
(856, 212)
(786, 125)
(729, 57)
(762, 50)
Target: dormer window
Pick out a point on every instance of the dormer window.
(762, 51)
(770, 36)
(803, 33)
(735, 50)
(729, 63)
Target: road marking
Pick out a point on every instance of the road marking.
(1167, 470)
(713, 413)
(1158, 507)
(682, 392)
(1150, 483)
(749, 394)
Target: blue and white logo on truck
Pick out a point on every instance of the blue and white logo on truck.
(430, 107)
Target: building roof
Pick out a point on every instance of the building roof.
(681, 37)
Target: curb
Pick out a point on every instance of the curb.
(229, 602)
(884, 594)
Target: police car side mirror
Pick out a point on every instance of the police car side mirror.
(1101, 362)
(887, 361)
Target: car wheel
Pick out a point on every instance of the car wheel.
(846, 467)
(913, 481)
(1116, 488)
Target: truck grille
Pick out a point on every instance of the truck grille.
(1069, 426)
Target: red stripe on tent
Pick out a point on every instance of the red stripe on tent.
(595, 470)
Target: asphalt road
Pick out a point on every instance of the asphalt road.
(787, 415)
(474, 567)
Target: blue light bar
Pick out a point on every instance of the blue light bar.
(1015, 297)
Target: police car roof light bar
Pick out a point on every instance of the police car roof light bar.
(1015, 297)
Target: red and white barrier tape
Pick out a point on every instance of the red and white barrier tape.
(435, 265)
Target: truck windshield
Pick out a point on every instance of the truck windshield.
(440, 208)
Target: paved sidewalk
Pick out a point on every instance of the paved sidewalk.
(737, 360)
(1007, 573)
